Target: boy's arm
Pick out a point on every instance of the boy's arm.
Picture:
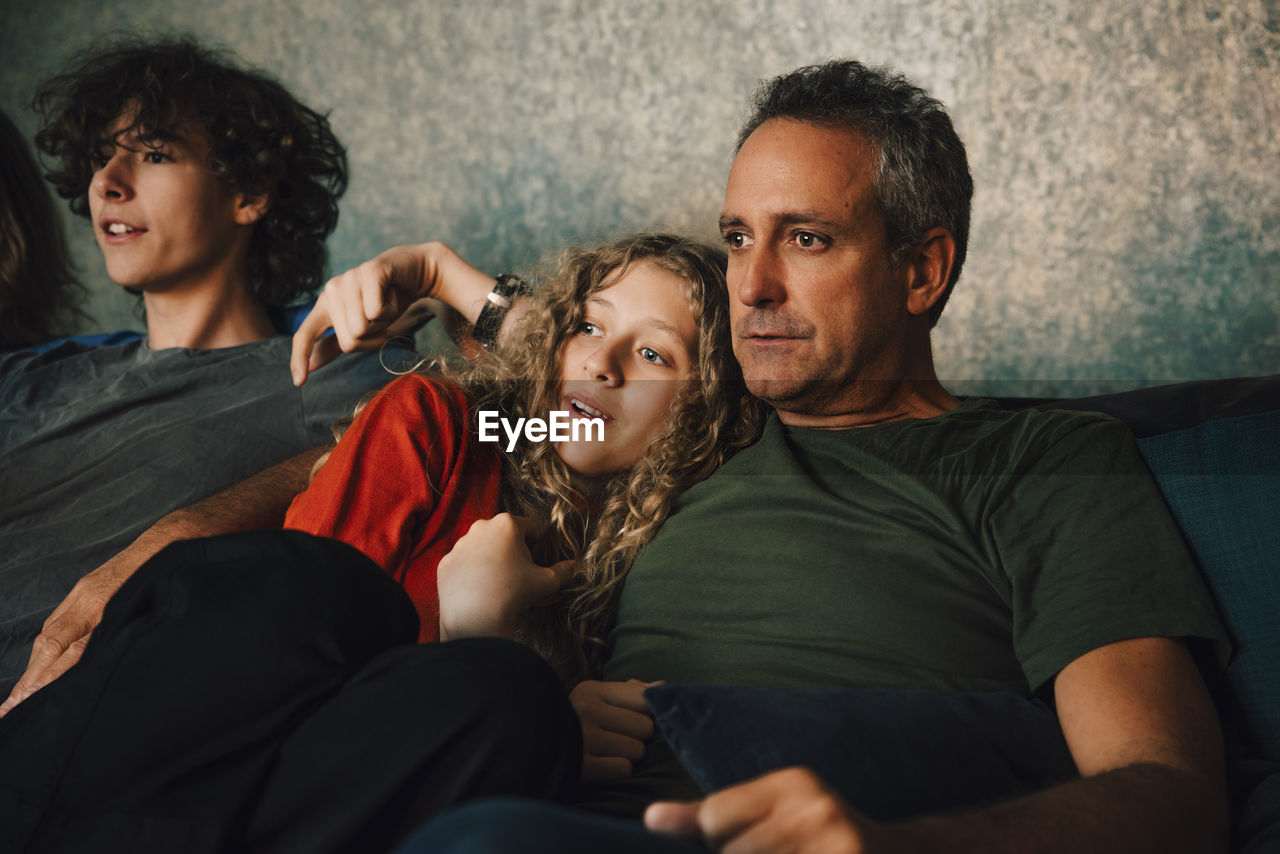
(259, 502)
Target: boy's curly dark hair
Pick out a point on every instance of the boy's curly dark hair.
(261, 140)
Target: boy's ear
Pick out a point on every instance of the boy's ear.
(930, 268)
(251, 208)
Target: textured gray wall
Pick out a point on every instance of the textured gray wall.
(1127, 219)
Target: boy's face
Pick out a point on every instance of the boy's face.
(163, 220)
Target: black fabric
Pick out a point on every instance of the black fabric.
(262, 692)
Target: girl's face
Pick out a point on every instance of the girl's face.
(637, 342)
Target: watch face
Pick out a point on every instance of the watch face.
(508, 284)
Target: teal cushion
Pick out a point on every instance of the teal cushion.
(1222, 481)
(892, 755)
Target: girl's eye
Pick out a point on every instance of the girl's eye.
(651, 355)
(154, 156)
(588, 328)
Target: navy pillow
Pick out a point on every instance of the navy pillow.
(890, 754)
(1222, 482)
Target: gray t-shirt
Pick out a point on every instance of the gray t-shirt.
(97, 443)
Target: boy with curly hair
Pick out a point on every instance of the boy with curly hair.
(211, 191)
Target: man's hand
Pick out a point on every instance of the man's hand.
(785, 811)
(488, 579)
(616, 722)
(67, 630)
(259, 502)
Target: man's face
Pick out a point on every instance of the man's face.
(162, 219)
(815, 305)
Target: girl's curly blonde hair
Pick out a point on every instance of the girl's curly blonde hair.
(711, 418)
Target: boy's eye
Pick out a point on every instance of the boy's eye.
(154, 156)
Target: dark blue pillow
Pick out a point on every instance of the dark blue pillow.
(890, 754)
(1222, 482)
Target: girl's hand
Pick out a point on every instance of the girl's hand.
(379, 299)
(616, 722)
(489, 579)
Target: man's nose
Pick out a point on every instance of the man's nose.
(755, 278)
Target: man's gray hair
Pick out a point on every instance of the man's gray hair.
(922, 176)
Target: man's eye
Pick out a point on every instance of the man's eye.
(808, 240)
(735, 239)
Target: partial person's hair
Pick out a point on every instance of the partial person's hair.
(39, 291)
(922, 178)
(711, 418)
(261, 140)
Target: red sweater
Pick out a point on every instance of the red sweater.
(404, 484)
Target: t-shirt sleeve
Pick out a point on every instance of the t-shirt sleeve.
(1090, 549)
(382, 479)
(332, 392)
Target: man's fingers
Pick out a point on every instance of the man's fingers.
(674, 818)
(66, 661)
(42, 668)
(45, 651)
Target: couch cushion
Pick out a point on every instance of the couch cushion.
(1162, 409)
(1222, 481)
(890, 754)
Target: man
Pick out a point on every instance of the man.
(883, 534)
(211, 191)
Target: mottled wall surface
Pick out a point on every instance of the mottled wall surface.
(1127, 219)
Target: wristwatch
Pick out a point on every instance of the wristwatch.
(505, 290)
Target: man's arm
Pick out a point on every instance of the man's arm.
(1141, 728)
(259, 502)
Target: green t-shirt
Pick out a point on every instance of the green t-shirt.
(977, 550)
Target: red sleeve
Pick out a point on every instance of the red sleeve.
(403, 485)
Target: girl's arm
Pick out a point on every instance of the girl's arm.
(489, 579)
(363, 304)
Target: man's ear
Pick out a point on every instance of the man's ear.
(929, 268)
(251, 208)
